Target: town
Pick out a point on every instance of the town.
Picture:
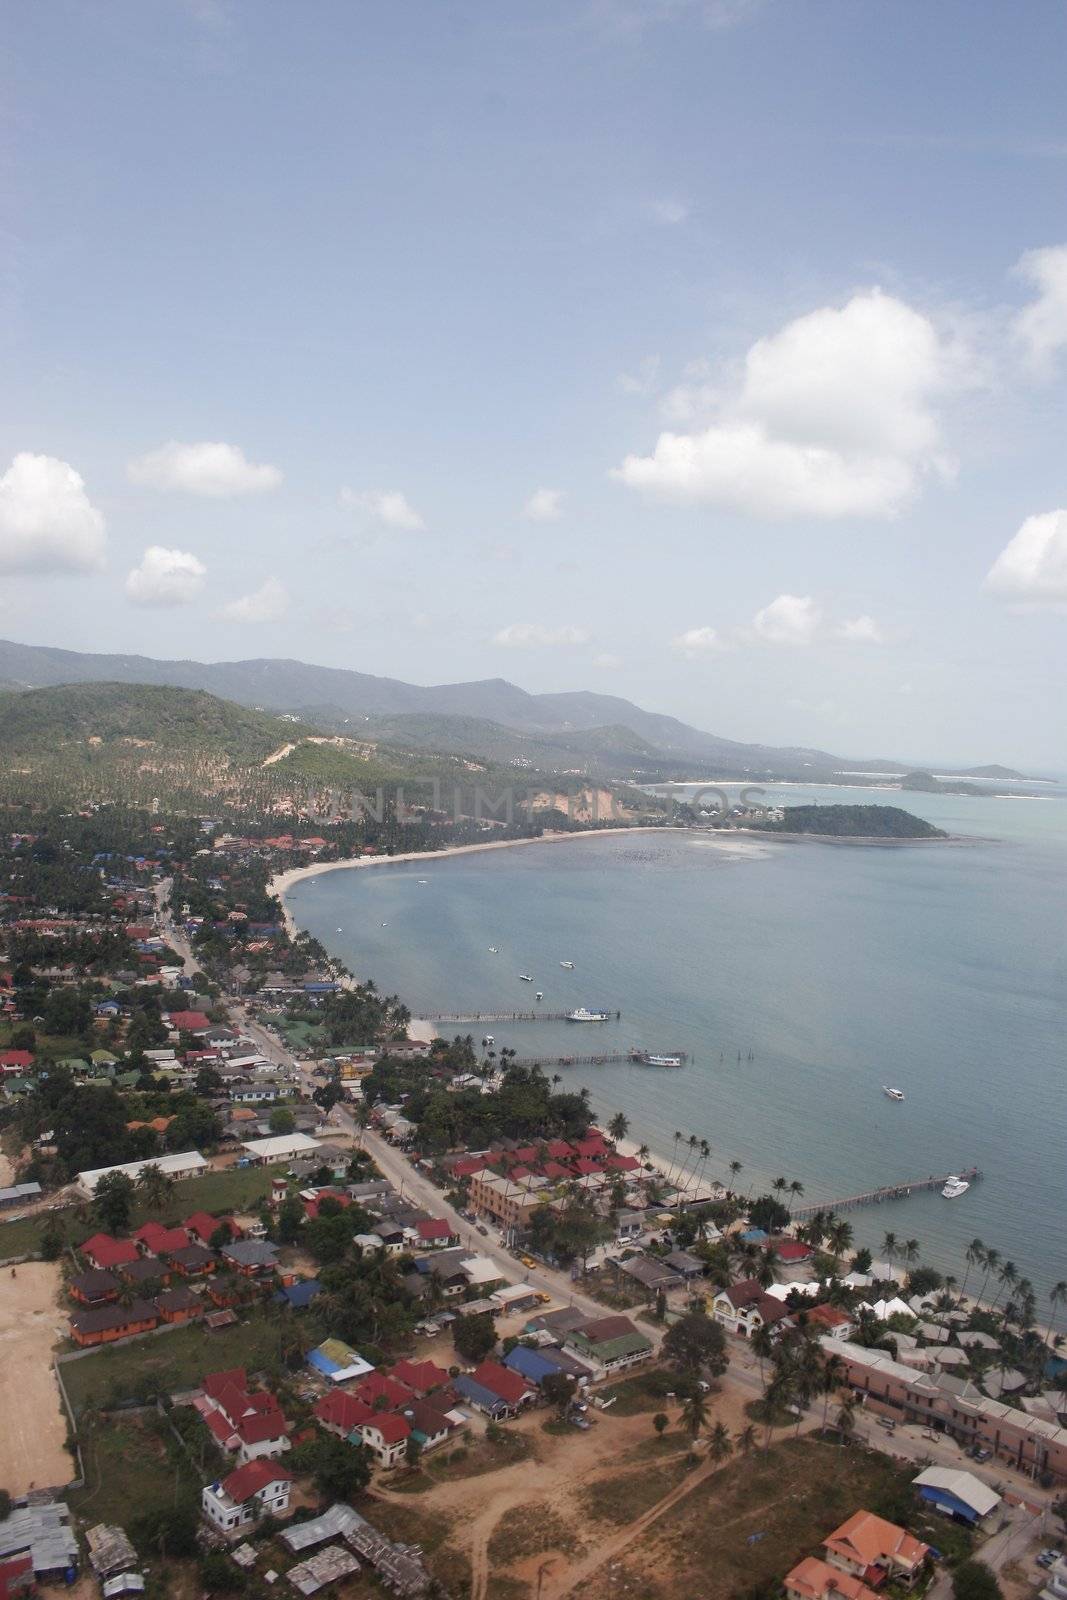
(298, 1295)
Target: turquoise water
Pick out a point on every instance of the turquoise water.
(940, 969)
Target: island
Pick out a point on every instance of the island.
(879, 823)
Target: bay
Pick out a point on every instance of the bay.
(938, 968)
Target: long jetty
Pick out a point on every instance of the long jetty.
(506, 1016)
(875, 1197)
(613, 1058)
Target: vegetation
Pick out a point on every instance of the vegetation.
(852, 822)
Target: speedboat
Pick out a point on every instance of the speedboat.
(539, 995)
(893, 1094)
(568, 966)
(492, 950)
(424, 880)
(954, 1187)
(524, 977)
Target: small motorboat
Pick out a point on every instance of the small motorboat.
(892, 1094)
(539, 995)
(493, 950)
(568, 966)
(954, 1187)
(524, 977)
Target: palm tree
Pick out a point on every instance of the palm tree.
(674, 1155)
(719, 1443)
(779, 1186)
(746, 1438)
(154, 1185)
(618, 1127)
(974, 1253)
(763, 1344)
(705, 1156)
(909, 1251)
(776, 1396)
(1056, 1297)
(833, 1374)
(796, 1189)
(890, 1246)
(643, 1152)
(695, 1413)
(840, 1238)
(694, 1150)
(1009, 1274)
(846, 1418)
(735, 1169)
(990, 1262)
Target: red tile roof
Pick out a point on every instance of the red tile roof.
(342, 1410)
(216, 1382)
(16, 1059)
(501, 1381)
(188, 1021)
(160, 1240)
(254, 1476)
(390, 1425)
(264, 1425)
(792, 1250)
(559, 1149)
(419, 1374)
(108, 1252)
(202, 1224)
(378, 1386)
(434, 1228)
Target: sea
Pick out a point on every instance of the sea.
(799, 978)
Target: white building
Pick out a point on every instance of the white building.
(238, 1501)
(283, 1147)
(187, 1164)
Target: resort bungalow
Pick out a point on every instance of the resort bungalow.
(250, 1257)
(608, 1344)
(94, 1288)
(240, 1500)
(876, 1551)
(179, 1305)
(103, 1252)
(105, 1324)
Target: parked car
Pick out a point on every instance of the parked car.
(980, 1454)
(1048, 1558)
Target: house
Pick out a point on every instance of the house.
(176, 1164)
(652, 1273)
(509, 1387)
(830, 1321)
(105, 1324)
(94, 1288)
(386, 1436)
(957, 1494)
(746, 1306)
(420, 1377)
(435, 1233)
(179, 1305)
(144, 1272)
(430, 1425)
(188, 1021)
(399, 1566)
(43, 1533)
(194, 1261)
(877, 1551)
(338, 1361)
(282, 1147)
(202, 1226)
(110, 1551)
(103, 1252)
(537, 1365)
(250, 1257)
(687, 1266)
(156, 1240)
(608, 1344)
(240, 1500)
(341, 1413)
(814, 1579)
(380, 1391)
(249, 1423)
(298, 1296)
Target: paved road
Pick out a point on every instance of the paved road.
(169, 929)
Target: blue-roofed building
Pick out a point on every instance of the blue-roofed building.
(299, 1295)
(755, 1236)
(535, 1365)
(957, 1494)
(481, 1397)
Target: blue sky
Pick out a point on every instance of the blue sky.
(708, 352)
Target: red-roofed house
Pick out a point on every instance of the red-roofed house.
(386, 1437)
(202, 1225)
(469, 1166)
(156, 1240)
(189, 1021)
(105, 1252)
(622, 1163)
(436, 1232)
(746, 1306)
(553, 1169)
(255, 1490)
(232, 1378)
(500, 1380)
(559, 1149)
(813, 1579)
(379, 1387)
(586, 1167)
(340, 1413)
(830, 1320)
(419, 1376)
(791, 1250)
(16, 1061)
(875, 1550)
(592, 1145)
(249, 1423)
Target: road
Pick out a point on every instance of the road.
(169, 929)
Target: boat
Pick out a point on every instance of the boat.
(524, 977)
(892, 1094)
(488, 1040)
(568, 966)
(954, 1187)
(583, 1014)
(493, 950)
(340, 930)
(539, 995)
(424, 880)
(648, 1060)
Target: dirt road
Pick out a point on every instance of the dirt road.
(32, 1453)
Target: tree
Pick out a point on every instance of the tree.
(154, 1186)
(618, 1127)
(661, 1422)
(281, 1120)
(412, 1451)
(113, 1201)
(290, 1220)
(474, 1337)
(218, 1575)
(719, 1443)
(338, 1468)
(694, 1413)
(768, 1213)
(973, 1580)
(746, 1438)
(559, 1388)
(221, 1236)
(696, 1343)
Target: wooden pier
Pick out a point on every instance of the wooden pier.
(508, 1016)
(611, 1059)
(875, 1197)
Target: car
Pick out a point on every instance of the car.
(888, 1424)
(528, 1261)
(980, 1454)
(481, 1227)
(581, 1422)
(1048, 1558)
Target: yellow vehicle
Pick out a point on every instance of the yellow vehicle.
(528, 1261)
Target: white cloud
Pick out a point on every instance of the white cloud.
(268, 603)
(47, 521)
(1042, 325)
(535, 636)
(608, 662)
(388, 506)
(669, 211)
(212, 469)
(861, 630)
(1032, 568)
(165, 578)
(833, 417)
(544, 505)
(791, 619)
(696, 642)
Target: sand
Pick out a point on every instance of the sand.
(32, 1452)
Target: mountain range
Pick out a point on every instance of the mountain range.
(490, 718)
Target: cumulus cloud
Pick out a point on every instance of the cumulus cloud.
(544, 505)
(861, 630)
(536, 636)
(165, 578)
(1032, 567)
(1042, 325)
(696, 642)
(389, 507)
(833, 417)
(791, 619)
(215, 470)
(47, 521)
(268, 603)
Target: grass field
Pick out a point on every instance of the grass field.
(747, 1525)
(131, 1462)
(232, 1189)
(179, 1358)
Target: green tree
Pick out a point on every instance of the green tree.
(281, 1120)
(973, 1580)
(661, 1422)
(618, 1127)
(412, 1451)
(694, 1413)
(559, 1388)
(339, 1469)
(720, 1446)
(695, 1343)
(474, 1337)
(290, 1220)
(154, 1185)
(113, 1201)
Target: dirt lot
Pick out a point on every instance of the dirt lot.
(32, 1452)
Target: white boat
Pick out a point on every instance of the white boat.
(663, 1061)
(583, 1014)
(424, 880)
(539, 995)
(340, 930)
(492, 950)
(524, 977)
(893, 1094)
(954, 1187)
(568, 966)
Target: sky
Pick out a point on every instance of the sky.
(711, 353)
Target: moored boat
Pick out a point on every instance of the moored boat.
(583, 1014)
(954, 1187)
(892, 1094)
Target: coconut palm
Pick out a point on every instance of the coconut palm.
(719, 1443)
(839, 1239)
(618, 1127)
(779, 1186)
(674, 1155)
(643, 1152)
(890, 1246)
(973, 1257)
(763, 1345)
(746, 1438)
(909, 1252)
(1056, 1295)
(1007, 1277)
(796, 1189)
(154, 1185)
(695, 1413)
(735, 1169)
(845, 1419)
(833, 1374)
(990, 1264)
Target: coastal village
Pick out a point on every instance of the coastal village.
(299, 1296)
